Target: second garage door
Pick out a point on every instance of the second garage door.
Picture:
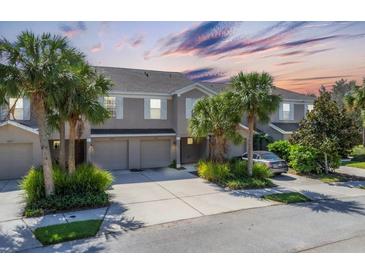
(111, 154)
(15, 160)
(155, 153)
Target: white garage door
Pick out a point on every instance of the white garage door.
(111, 154)
(155, 153)
(15, 160)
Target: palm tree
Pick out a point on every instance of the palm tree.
(355, 100)
(34, 66)
(83, 104)
(256, 100)
(217, 117)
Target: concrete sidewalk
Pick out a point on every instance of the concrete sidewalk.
(359, 172)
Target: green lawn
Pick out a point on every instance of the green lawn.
(66, 232)
(362, 187)
(355, 164)
(288, 198)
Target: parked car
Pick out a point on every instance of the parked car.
(274, 162)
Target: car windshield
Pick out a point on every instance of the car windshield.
(269, 156)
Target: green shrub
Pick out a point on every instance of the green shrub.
(55, 203)
(83, 188)
(281, 148)
(358, 153)
(249, 183)
(86, 179)
(238, 168)
(261, 171)
(33, 185)
(212, 171)
(304, 159)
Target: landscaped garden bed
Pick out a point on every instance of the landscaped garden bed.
(84, 188)
(67, 232)
(288, 198)
(233, 174)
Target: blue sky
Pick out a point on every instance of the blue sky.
(300, 55)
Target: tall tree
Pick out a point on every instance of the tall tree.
(328, 129)
(355, 101)
(257, 101)
(34, 66)
(340, 89)
(83, 104)
(217, 117)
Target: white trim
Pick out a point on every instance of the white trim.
(128, 94)
(243, 126)
(197, 86)
(132, 135)
(280, 130)
(16, 124)
(297, 100)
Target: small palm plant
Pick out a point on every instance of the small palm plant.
(217, 117)
(256, 100)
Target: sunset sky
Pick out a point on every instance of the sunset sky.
(300, 55)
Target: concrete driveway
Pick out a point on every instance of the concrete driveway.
(158, 196)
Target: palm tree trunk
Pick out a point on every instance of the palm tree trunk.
(62, 156)
(71, 146)
(40, 112)
(251, 122)
(220, 141)
(363, 136)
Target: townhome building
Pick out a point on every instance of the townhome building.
(148, 128)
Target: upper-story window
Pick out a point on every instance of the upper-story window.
(308, 108)
(286, 111)
(21, 109)
(18, 108)
(110, 105)
(189, 106)
(155, 108)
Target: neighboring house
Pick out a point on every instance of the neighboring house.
(292, 110)
(148, 128)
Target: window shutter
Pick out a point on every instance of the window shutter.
(164, 109)
(281, 111)
(119, 107)
(26, 108)
(188, 107)
(147, 109)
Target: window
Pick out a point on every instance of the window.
(18, 111)
(155, 108)
(110, 105)
(189, 106)
(286, 112)
(308, 108)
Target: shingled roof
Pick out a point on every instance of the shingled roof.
(154, 81)
(142, 80)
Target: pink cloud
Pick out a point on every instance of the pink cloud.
(96, 48)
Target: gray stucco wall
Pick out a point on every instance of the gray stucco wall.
(133, 116)
(182, 122)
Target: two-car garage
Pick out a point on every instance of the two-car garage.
(131, 153)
